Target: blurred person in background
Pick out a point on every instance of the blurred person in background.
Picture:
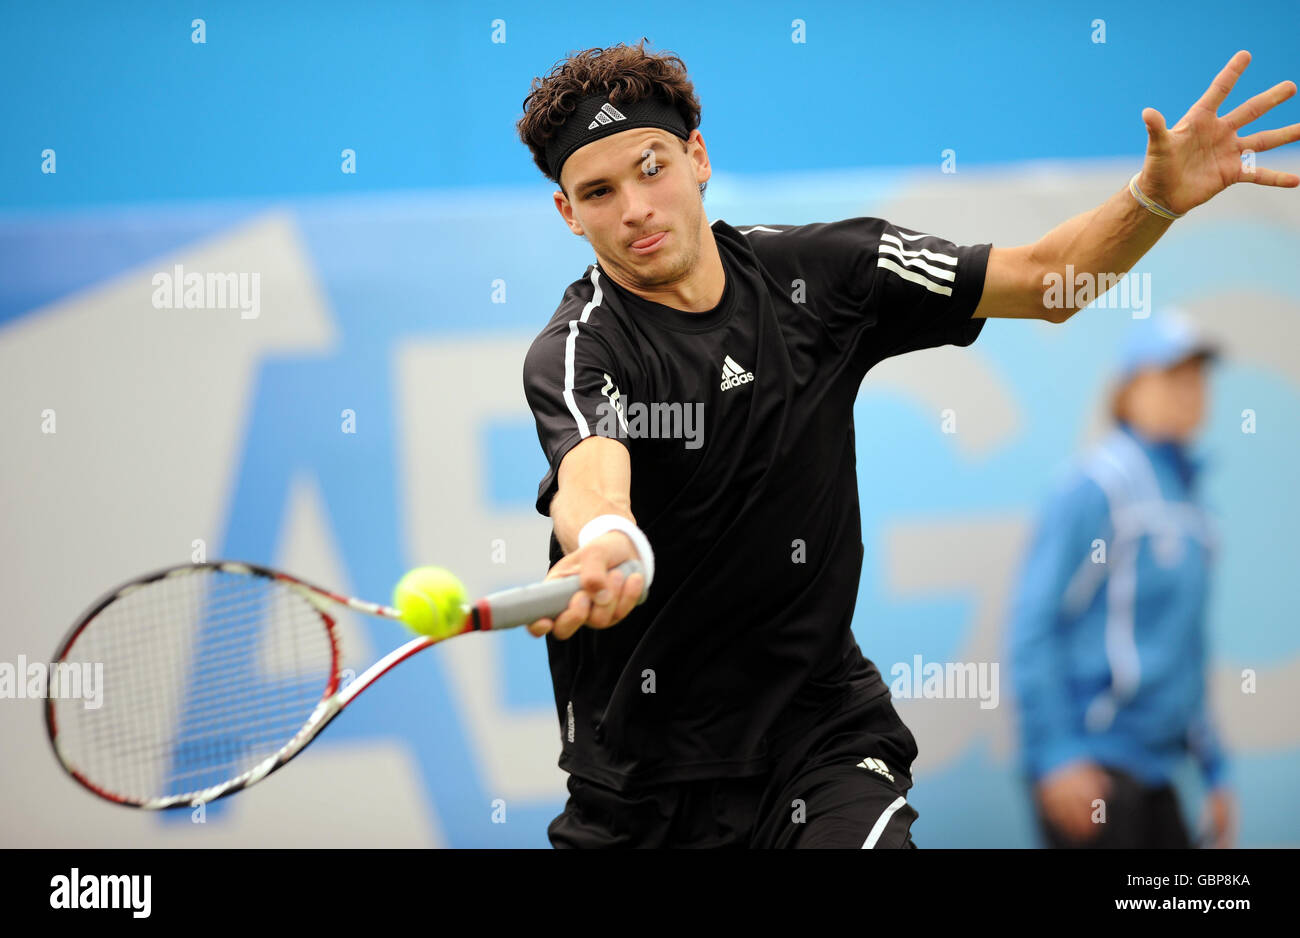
(1108, 632)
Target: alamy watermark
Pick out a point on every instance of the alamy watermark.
(81, 891)
(953, 680)
(66, 680)
(620, 419)
(1075, 290)
(180, 290)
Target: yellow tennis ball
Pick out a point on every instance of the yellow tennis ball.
(430, 599)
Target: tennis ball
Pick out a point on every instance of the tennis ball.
(430, 599)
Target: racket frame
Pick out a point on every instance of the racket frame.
(477, 617)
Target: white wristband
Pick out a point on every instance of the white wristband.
(603, 524)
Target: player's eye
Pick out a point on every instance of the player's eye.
(658, 170)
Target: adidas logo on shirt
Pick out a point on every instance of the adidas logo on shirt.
(733, 376)
(606, 115)
(875, 765)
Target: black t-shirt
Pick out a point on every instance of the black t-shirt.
(752, 510)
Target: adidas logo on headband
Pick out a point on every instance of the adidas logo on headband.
(606, 120)
(606, 115)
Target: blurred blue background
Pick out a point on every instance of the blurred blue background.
(405, 294)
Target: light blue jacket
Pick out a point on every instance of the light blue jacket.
(1108, 637)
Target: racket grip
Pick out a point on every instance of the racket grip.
(524, 605)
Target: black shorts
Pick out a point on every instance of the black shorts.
(843, 784)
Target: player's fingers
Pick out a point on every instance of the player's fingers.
(594, 572)
(581, 607)
(606, 602)
(1268, 139)
(572, 618)
(1262, 176)
(541, 627)
(636, 586)
(566, 623)
(629, 596)
(565, 566)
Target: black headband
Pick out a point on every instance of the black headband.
(595, 117)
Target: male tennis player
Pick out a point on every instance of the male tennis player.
(694, 397)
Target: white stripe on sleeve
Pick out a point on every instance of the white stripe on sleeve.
(569, 346)
(896, 247)
(881, 822)
(915, 278)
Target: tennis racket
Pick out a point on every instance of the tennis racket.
(215, 675)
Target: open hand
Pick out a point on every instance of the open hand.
(1200, 156)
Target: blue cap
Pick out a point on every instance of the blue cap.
(1162, 340)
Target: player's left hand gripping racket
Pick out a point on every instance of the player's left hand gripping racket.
(215, 675)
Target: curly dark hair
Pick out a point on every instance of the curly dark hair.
(626, 73)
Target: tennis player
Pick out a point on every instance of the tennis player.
(694, 398)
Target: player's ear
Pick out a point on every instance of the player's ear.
(566, 212)
(700, 156)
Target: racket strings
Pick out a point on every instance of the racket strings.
(205, 675)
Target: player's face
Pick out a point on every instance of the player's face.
(634, 187)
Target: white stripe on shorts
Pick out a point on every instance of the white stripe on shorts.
(881, 821)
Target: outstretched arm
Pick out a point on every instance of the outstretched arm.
(1186, 165)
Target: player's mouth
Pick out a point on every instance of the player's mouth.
(648, 244)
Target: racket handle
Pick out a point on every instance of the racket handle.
(524, 605)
